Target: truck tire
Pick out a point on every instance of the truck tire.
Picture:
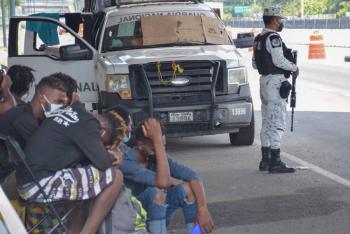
(245, 136)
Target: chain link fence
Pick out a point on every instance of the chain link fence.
(296, 23)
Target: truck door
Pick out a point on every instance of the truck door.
(49, 46)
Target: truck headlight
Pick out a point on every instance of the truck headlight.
(236, 77)
(118, 84)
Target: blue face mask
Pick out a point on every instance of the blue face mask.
(127, 137)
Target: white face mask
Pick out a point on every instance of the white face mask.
(25, 97)
(53, 107)
(127, 137)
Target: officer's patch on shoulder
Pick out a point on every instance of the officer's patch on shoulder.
(275, 41)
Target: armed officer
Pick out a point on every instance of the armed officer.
(273, 60)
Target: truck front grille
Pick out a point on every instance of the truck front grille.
(199, 73)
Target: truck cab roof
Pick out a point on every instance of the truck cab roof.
(156, 6)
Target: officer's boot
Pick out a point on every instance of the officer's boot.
(265, 160)
(276, 165)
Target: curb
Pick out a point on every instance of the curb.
(307, 44)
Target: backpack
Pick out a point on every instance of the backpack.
(126, 217)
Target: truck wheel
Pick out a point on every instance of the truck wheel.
(245, 136)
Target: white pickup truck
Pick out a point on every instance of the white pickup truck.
(172, 60)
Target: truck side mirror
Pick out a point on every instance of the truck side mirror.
(347, 58)
(74, 52)
(244, 40)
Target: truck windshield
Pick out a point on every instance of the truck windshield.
(147, 33)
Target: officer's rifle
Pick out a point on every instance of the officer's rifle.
(293, 96)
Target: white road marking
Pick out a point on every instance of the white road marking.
(314, 168)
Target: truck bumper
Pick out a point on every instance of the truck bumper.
(225, 117)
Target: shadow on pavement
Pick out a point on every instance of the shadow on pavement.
(305, 203)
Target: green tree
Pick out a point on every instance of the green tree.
(344, 7)
(257, 9)
(291, 8)
(333, 6)
(315, 7)
(228, 13)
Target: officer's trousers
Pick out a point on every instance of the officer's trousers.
(273, 110)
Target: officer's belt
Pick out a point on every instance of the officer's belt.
(272, 73)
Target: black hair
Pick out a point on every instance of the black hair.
(268, 19)
(116, 128)
(139, 135)
(51, 82)
(123, 112)
(71, 84)
(22, 79)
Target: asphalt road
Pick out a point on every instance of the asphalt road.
(314, 200)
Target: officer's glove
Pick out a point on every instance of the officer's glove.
(295, 74)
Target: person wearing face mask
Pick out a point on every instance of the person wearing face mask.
(162, 184)
(126, 122)
(269, 58)
(72, 156)
(22, 121)
(15, 86)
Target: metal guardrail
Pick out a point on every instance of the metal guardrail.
(297, 23)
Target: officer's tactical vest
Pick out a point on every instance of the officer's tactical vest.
(263, 58)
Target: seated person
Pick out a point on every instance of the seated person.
(71, 87)
(68, 156)
(22, 121)
(7, 100)
(34, 214)
(126, 122)
(22, 80)
(162, 184)
(15, 86)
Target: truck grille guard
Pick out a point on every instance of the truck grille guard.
(216, 64)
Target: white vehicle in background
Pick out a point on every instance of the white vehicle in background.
(172, 60)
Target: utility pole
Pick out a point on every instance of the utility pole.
(12, 7)
(302, 8)
(3, 21)
(293, 9)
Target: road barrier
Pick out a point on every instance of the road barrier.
(316, 47)
(341, 23)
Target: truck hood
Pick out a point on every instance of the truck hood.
(120, 60)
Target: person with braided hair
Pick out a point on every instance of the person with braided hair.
(121, 131)
(74, 156)
(124, 118)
